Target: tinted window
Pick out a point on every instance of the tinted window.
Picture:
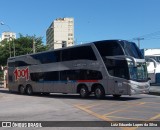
(46, 76)
(67, 75)
(80, 75)
(131, 49)
(47, 57)
(117, 68)
(20, 63)
(37, 76)
(51, 76)
(109, 48)
(11, 64)
(78, 53)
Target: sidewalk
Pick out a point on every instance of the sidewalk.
(155, 89)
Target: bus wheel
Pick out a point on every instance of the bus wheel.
(22, 89)
(99, 92)
(116, 95)
(29, 90)
(84, 92)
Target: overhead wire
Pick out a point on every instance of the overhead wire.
(150, 36)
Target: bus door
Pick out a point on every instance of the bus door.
(120, 87)
(118, 72)
(117, 86)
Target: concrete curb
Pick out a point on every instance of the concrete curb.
(155, 90)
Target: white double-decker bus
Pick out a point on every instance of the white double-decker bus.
(152, 57)
(109, 67)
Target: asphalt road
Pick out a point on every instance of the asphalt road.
(58, 107)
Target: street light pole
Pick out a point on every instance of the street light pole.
(14, 51)
(34, 48)
(9, 49)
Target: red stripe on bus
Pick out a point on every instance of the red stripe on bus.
(87, 80)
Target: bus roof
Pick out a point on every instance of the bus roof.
(85, 44)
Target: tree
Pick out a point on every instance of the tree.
(23, 45)
(4, 52)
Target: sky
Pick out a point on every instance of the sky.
(94, 19)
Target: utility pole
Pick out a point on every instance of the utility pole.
(14, 47)
(34, 48)
(138, 39)
(9, 49)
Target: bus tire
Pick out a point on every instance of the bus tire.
(99, 92)
(116, 95)
(84, 91)
(29, 90)
(21, 89)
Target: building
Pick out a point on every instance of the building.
(152, 53)
(8, 35)
(60, 33)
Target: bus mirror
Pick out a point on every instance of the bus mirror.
(149, 78)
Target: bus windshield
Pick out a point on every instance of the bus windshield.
(131, 49)
(138, 73)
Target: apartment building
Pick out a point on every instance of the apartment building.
(60, 33)
(8, 35)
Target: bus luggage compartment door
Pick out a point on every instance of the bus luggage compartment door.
(65, 86)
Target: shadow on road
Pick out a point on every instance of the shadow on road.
(76, 96)
(5, 91)
(92, 97)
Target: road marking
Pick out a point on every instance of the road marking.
(154, 102)
(141, 111)
(151, 119)
(92, 113)
(124, 108)
(79, 106)
(93, 105)
(106, 117)
(155, 117)
(135, 119)
(98, 104)
(151, 106)
(108, 104)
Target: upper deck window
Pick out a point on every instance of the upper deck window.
(131, 49)
(78, 53)
(109, 48)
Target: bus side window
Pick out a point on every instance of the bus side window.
(63, 75)
(11, 64)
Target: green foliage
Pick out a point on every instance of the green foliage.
(23, 45)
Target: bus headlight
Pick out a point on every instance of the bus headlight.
(133, 86)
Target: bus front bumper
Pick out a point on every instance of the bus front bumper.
(139, 88)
